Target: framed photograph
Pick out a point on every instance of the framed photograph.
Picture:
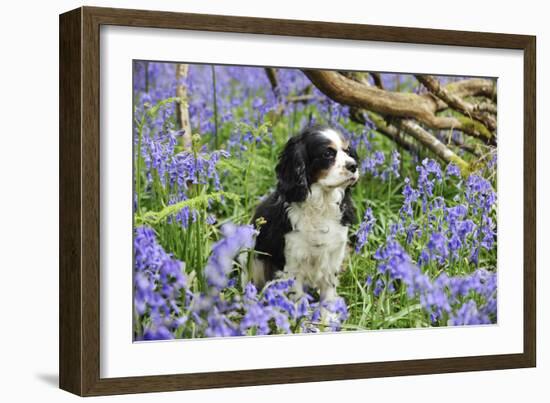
(249, 201)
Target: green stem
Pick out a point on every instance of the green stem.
(389, 191)
(137, 168)
(246, 175)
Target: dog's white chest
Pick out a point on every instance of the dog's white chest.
(317, 231)
(315, 248)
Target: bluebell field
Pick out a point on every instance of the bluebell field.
(423, 254)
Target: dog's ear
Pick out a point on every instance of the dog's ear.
(349, 214)
(291, 171)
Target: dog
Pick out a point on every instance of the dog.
(304, 234)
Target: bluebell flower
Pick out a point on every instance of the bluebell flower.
(378, 287)
(211, 219)
(364, 230)
(235, 238)
(468, 314)
(303, 307)
(219, 325)
(395, 163)
(411, 195)
(437, 246)
(158, 333)
(465, 228)
(454, 245)
(158, 280)
(452, 170)
(412, 231)
(370, 164)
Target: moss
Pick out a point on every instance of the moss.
(465, 168)
(471, 125)
(378, 120)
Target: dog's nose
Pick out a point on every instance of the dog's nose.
(351, 166)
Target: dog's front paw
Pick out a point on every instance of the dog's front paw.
(329, 319)
(333, 313)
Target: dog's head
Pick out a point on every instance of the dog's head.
(319, 154)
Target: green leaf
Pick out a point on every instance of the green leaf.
(201, 201)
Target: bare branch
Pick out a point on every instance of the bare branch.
(486, 107)
(302, 98)
(473, 87)
(404, 105)
(377, 80)
(357, 76)
(459, 143)
(387, 129)
(414, 130)
(434, 86)
(423, 137)
(468, 88)
(432, 143)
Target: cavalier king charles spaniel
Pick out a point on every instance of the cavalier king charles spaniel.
(305, 232)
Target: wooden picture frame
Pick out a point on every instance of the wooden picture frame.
(79, 281)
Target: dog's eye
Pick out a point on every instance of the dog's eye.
(329, 153)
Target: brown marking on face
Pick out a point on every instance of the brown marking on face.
(323, 173)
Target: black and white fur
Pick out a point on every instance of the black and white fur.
(307, 216)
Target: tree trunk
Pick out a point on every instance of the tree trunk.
(182, 108)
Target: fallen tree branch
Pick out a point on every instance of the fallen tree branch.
(433, 144)
(413, 129)
(403, 105)
(473, 87)
(387, 129)
(468, 88)
(486, 107)
(422, 136)
(459, 143)
(302, 98)
(377, 80)
(434, 86)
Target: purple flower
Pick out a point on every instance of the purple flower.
(395, 163)
(428, 173)
(412, 231)
(368, 281)
(378, 287)
(468, 314)
(159, 333)
(303, 307)
(364, 230)
(159, 280)
(197, 168)
(224, 251)
(220, 325)
(371, 163)
(211, 219)
(339, 308)
(454, 245)
(452, 170)
(437, 245)
(411, 195)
